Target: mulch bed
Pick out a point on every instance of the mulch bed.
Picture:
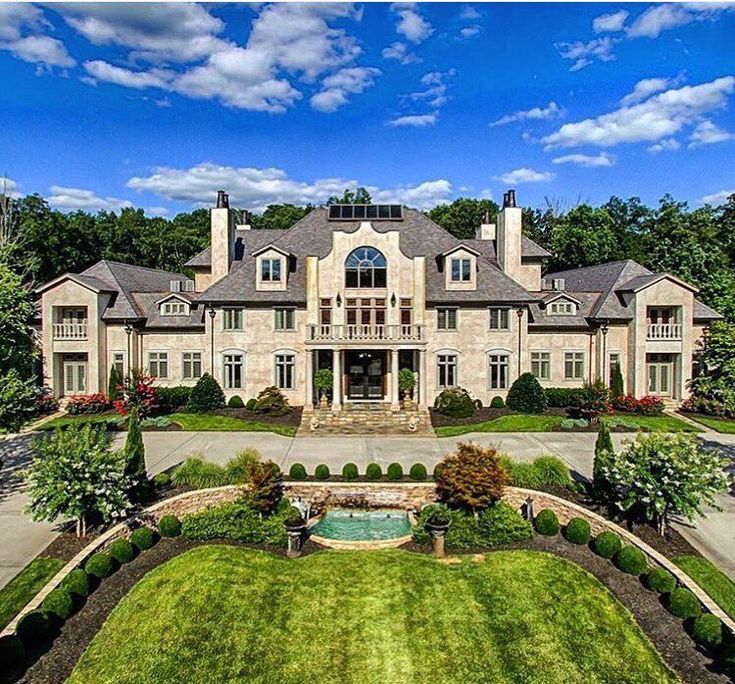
(293, 418)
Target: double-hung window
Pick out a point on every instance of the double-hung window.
(461, 270)
(158, 364)
(233, 319)
(285, 319)
(285, 371)
(499, 318)
(270, 270)
(446, 370)
(118, 362)
(499, 364)
(234, 370)
(573, 365)
(541, 364)
(446, 319)
(191, 365)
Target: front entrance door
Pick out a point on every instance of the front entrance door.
(75, 374)
(365, 375)
(660, 375)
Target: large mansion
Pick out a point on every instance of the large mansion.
(366, 290)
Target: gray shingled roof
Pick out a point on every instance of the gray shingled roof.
(146, 302)
(702, 312)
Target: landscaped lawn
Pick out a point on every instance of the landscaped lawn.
(205, 422)
(720, 424)
(64, 421)
(716, 583)
(655, 423)
(229, 614)
(25, 585)
(515, 422)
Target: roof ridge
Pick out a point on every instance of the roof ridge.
(138, 268)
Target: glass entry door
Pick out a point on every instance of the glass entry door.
(365, 375)
(660, 375)
(75, 374)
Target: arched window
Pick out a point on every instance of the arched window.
(365, 267)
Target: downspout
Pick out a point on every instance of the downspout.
(520, 321)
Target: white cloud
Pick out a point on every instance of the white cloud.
(71, 199)
(646, 87)
(337, 87)
(614, 21)
(469, 12)
(525, 175)
(552, 110)
(415, 120)
(399, 51)
(667, 16)
(470, 31)
(411, 24)
(109, 73)
(17, 19)
(602, 159)
(157, 211)
(660, 116)
(718, 197)
(257, 188)
(665, 145)
(435, 94)
(9, 187)
(583, 54)
(708, 133)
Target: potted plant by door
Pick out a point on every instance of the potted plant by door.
(437, 525)
(406, 383)
(295, 527)
(323, 381)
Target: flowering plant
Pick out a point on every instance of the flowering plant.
(87, 403)
(650, 405)
(138, 392)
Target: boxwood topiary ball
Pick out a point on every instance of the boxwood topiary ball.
(607, 544)
(169, 526)
(661, 580)
(497, 403)
(349, 471)
(395, 471)
(418, 472)
(683, 603)
(34, 628)
(143, 538)
(321, 472)
(236, 401)
(12, 653)
(99, 565)
(374, 472)
(577, 531)
(547, 523)
(297, 472)
(59, 602)
(631, 560)
(707, 631)
(122, 551)
(77, 582)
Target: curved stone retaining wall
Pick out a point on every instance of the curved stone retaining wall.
(405, 495)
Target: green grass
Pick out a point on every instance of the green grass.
(25, 585)
(228, 614)
(206, 422)
(514, 422)
(724, 425)
(64, 421)
(717, 584)
(654, 423)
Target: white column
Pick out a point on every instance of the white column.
(394, 398)
(309, 377)
(337, 380)
(422, 378)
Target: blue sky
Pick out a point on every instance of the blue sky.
(159, 105)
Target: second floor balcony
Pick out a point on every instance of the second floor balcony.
(664, 331)
(366, 333)
(70, 330)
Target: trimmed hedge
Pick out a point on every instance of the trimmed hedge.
(59, 602)
(12, 653)
(455, 402)
(77, 582)
(172, 398)
(683, 604)
(321, 472)
(395, 471)
(418, 472)
(143, 538)
(707, 631)
(607, 544)
(578, 531)
(563, 397)
(235, 401)
(526, 395)
(122, 551)
(631, 560)
(497, 403)
(250, 404)
(169, 526)
(661, 580)
(34, 628)
(206, 395)
(99, 565)
(349, 471)
(297, 472)
(373, 472)
(547, 523)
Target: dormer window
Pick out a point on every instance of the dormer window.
(270, 270)
(366, 267)
(461, 270)
(562, 307)
(174, 307)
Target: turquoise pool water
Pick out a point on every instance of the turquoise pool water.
(353, 525)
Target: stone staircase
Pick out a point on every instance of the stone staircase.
(368, 418)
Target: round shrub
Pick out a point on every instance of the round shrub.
(59, 602)
(250, 405)
(321, 472)
(206, 395)
(497, 403)
(34, 628)
(99, 565)
(631, 560)
(169, 526)
(143, 538)
(456, 403)
(77, 582)
(235, 401)
(297, 472)
(706, 630)
(577, 531)
(374, 472)
(417, 472)
(122, 551)
(162, 480)
(607, 544)
(661, 580)
(547, 523)
(526, 395)
(12, 653)
(349, 471)
(395, 471)
(683, 603)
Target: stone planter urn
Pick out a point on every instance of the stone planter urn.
(323, 401)
(295, 529)
(438, 528)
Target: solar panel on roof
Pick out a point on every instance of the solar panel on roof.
(358, 212)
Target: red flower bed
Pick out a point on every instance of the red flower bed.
(87, 404)
(649, 405)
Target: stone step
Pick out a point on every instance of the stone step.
(366, 419)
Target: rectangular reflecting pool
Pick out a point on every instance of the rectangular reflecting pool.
(357, 525)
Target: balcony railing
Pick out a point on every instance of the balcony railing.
(664, 331)
(70, 331)
(366, 333)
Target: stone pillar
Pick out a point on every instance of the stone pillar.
(309, 377)
(423, 384)
(337, 386)
(395, 400)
